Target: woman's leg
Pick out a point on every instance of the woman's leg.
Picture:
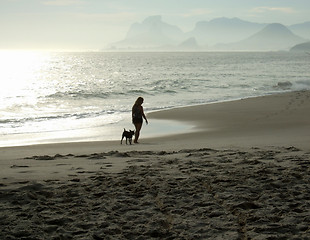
(137, 132)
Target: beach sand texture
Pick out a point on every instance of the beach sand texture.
(242, 174)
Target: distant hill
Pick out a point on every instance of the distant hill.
(302, 29)
(151, 33)
(273, 37)
(223, 30)
(189, 44)
(227, 34)
(303, 47)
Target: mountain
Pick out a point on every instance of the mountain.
(223, 30)
(302, 29)
(228, 34)
(151, 33)
(273, 37)
(303, 47)
(189, 45)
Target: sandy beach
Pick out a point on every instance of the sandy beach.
(241, 173)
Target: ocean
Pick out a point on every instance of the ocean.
(49, 97)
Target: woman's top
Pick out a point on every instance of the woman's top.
(137, 113)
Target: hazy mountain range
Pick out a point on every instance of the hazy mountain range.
(218, 34)
(303, 47)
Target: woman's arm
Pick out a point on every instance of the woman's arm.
(143, 115)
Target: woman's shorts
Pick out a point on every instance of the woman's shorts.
(137, 120)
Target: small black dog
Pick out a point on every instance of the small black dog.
(128, 135)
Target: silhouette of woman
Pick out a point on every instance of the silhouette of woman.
(137, 117)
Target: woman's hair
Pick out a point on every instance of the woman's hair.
(139, 101)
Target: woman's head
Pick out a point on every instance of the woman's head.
(139, 101)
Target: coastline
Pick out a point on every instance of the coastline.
(271, 120)
(163, 124)
(242, 173)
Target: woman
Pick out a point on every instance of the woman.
(137, 117)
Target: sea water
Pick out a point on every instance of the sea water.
(61, 97)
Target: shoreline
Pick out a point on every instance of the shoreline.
(281, 120)
(277, 119)
(213, 118)
(159, 127)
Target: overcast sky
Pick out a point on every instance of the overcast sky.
(92, 24)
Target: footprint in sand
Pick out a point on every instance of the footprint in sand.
(18, 166)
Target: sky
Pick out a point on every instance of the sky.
(93, 24)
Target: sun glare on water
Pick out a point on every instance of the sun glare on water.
(19, 70)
